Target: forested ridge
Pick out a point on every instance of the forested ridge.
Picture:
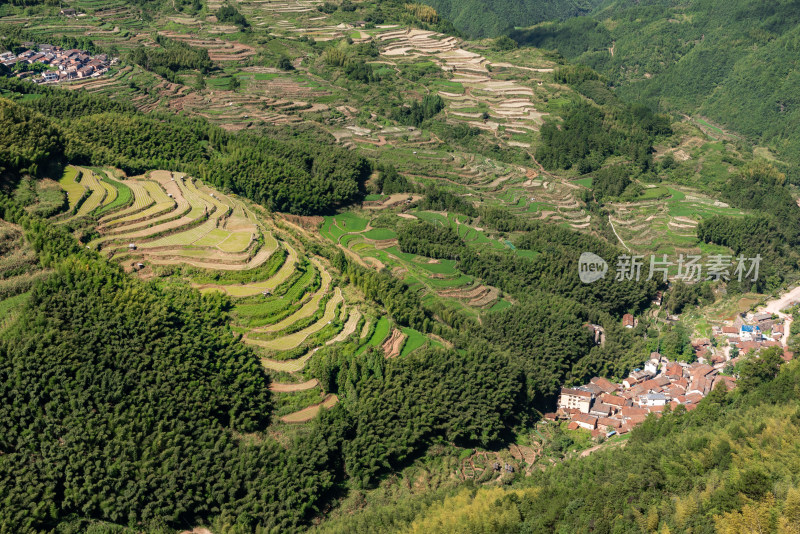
(735, 62)
(299, 172)
(773, 233)
(489, 19)
(728, 466)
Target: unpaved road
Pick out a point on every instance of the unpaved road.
(775, 306)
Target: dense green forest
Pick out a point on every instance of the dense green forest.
(298, 172)
(735, 62)
(774, 233)
(155, 374)
(489, 19)
(170, 57)
(730, 466)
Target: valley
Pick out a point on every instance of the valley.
(298, 265)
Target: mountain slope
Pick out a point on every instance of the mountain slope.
(736, 63)
(487, 19)
(728, 467)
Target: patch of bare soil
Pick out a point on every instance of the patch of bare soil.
(391, 347)
(310, 412)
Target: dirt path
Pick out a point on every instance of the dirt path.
(616, 234)
(776, 305)
(287, 388)
(307, 414)
(589, 451)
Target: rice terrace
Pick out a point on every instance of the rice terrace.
(284, 266)
(286, 304)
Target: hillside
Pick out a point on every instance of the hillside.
(727, 467)
(734, 63)
(278, 266)
(490, 19)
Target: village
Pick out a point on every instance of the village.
(606, 408)
(46, 63)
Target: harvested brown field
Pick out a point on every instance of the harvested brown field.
(289, 388)
(307, 414)
(391, 347)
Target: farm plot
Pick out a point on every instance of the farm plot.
(97, 193)
(308, 309)
(307, 414)
(123, 195)
(172, 220)
(69, 182)
(474, 95)
(293, 340)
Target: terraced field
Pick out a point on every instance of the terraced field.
(475, 95)
(378, 248)
(286, 305)
(71, 184)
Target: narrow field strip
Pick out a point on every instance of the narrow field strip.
(98, 193)
(141, 201)
(289, 366)
(349, 327)
(307, 414)
(69, 183)
(289, 388)
(159, 199)
(111, 193)
(294, 340)
(182, 205)
(123, 195)
(310, 307)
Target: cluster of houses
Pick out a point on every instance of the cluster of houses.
(750, 333)
(64, 64)
(606, 408)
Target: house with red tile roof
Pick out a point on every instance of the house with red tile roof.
(628, 321)
(575, 398)
(673, 370)
(602, 410)
(605, 384)
(631, 411)
(611, 423)
(589, 422)
(613, 400)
